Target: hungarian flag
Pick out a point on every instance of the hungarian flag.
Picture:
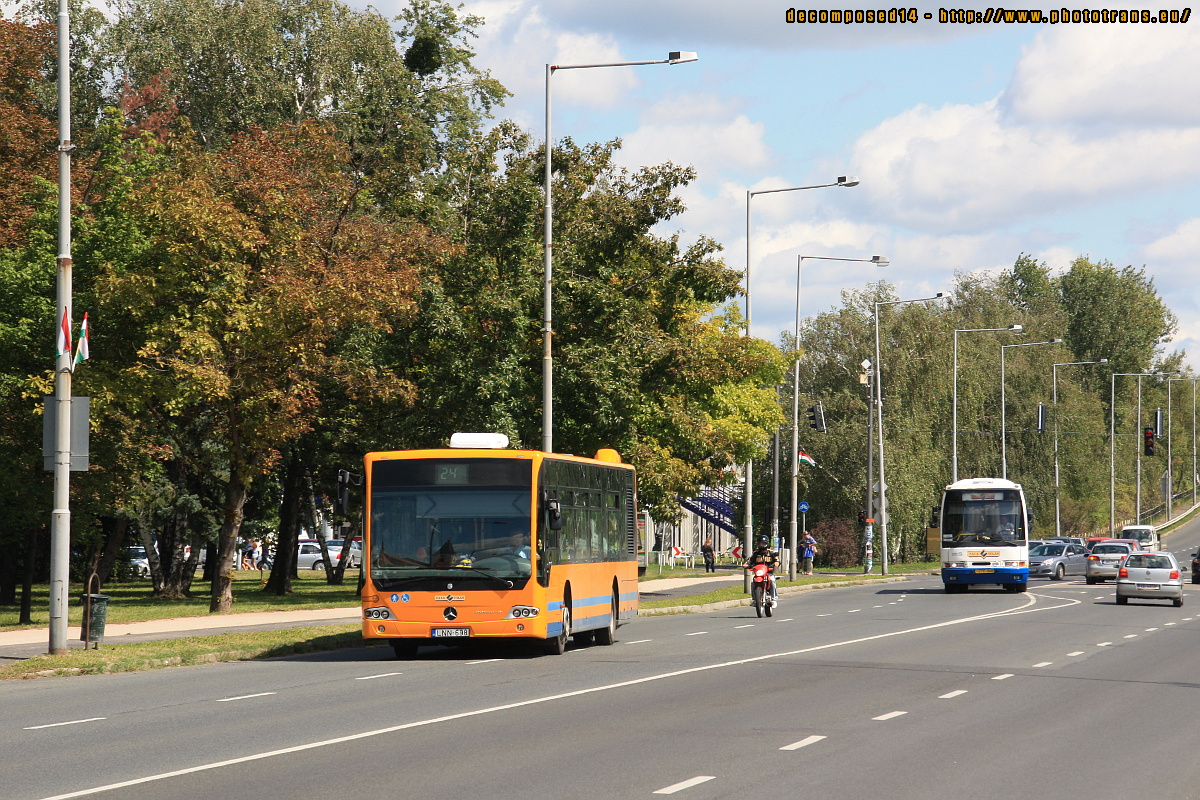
(804, 458)
(82, 350)
(64, 335)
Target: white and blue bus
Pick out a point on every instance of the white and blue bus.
(985, 526)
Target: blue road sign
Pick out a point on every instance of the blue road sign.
(804, 506)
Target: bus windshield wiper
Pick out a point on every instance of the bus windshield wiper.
(492, 576)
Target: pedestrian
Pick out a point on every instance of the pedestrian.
(710, 557)
(808, 553)
(248, 555)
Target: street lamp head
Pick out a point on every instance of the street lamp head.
(1018, 328)
(1102, 361)
(847, 180)
(880, 261)
(1055, 341)
(681, 57)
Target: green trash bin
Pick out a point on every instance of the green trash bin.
(95, 613)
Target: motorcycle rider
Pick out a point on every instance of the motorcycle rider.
(763, 554)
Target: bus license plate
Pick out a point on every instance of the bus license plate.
(985, 570)
(439, 633)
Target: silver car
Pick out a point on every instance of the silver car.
(1149, 576)
(1104, 559)
(1057, 560)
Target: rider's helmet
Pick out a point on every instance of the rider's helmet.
(763, 541)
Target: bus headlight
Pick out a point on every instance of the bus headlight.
(520, 612)
(381, 612)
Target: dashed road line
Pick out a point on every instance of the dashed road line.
(689, 783)
(955, 693)
(380, 675)
(696, 633)
(1076, 653)
(889, 715)
(244, 697)
(805, 742)
(1043, 664)
(1002, 677)
(60, 724)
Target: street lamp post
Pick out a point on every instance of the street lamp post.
(793, 538)
(954, 401)
(676, 57)
(883, 514)
(1003, 404)
(843, 180)
(1112, 443)
(1054, 402)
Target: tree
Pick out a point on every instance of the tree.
(257, 257)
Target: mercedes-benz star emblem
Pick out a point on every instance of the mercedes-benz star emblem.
(451, 613)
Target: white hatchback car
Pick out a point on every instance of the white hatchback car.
(1149, 576)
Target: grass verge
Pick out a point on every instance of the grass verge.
(186, 651)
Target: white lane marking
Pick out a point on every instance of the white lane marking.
(1187, 619)
(876, 606)
(1131, 636)
(1169, 623)
(788, 619)
(1151, 629)
(1043, 663)
(689, 783)
(1076, 653)
(697, 633)
(57, 724)
(483, 661)
(955, 693)
(1103, 644)
(824, 615)
(739, 627)
(1101, 597)
(805, 742)
(1002, 677)
(639, 641)
(244, 697)
(890, 715)
(380, 675)
(535, 701)
(854, 611)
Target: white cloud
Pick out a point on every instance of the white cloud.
(1112, 75)
(702, 131)
(966, 168)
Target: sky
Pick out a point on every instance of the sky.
(973, 143)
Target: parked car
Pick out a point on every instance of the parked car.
(308, 555)
(1105, 558)
(1150, 576)
(1146, 536)
(1196, 567)
(139, 564)
(1056, 560)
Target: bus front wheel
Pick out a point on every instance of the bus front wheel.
(557, 645)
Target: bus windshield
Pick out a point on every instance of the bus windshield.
(464, 521)
(983, 517)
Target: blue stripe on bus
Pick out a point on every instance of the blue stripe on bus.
(591, 622)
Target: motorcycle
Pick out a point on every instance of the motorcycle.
(760, 589)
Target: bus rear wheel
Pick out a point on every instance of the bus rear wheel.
(607, 636)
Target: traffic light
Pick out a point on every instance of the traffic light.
(1041, 421)
(345, 480)
(1149, 439)
(862, 519)
(816, 418)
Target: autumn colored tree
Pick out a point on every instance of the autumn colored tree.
(256, 258)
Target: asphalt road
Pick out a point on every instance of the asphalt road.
(895, 690)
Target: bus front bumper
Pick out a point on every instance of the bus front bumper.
(996, 575)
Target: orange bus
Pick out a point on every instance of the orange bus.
(482, 542)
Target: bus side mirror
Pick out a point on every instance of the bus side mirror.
(554, 515)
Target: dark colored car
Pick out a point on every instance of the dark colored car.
(1196, 567)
